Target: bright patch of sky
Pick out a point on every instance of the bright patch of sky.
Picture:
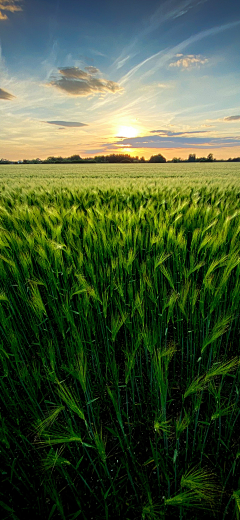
(109, 75)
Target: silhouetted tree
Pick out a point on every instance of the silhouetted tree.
(157, 159)
(4, 161)
(75, 158)
(192, 157)
(210, 157)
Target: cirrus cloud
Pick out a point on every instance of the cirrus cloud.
(188, 61)
(77, 82)
(6, 95)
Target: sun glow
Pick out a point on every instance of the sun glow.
(127, 131)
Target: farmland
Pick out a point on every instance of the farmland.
(30, 176)
(119, 341)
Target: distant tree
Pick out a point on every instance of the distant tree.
(55, 159)
(75, 158)
(116, 158)
(142, 159)
(176, 159)
(4, 161)
(192, 157)
(99, 158)
(35, 161)
(157, 159)
(210, 157)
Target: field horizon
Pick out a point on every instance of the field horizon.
(120, 175)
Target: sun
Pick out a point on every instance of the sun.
(127, 131)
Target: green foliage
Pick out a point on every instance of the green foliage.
(119, 351)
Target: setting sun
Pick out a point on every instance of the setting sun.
(127, 131)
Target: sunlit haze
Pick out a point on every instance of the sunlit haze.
(127, 131)
(96, 78)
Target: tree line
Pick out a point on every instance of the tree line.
(118, 158)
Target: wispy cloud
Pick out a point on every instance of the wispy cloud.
(122, 62)
(98, 53)
(10, 6)
(2, 61)
(169, 10)
(5, 95)
(164, 56)
(232, 118)
(188, 61)
(77, 82)
(49, 64)
(164, 85)
(65, 123)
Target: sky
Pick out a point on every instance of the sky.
(137, 77)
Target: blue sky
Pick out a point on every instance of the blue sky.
(101, 77)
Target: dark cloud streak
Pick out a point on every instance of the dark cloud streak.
(5, 95)
(65, 123)
(167, 133)
(176, 141)
(232, 118)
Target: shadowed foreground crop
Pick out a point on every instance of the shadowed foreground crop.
(119, 349)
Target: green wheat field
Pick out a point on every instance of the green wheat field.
(119, 341)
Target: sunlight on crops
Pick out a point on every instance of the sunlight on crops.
(107, 176)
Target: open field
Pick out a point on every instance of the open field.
(107, 176)
(119, 342)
